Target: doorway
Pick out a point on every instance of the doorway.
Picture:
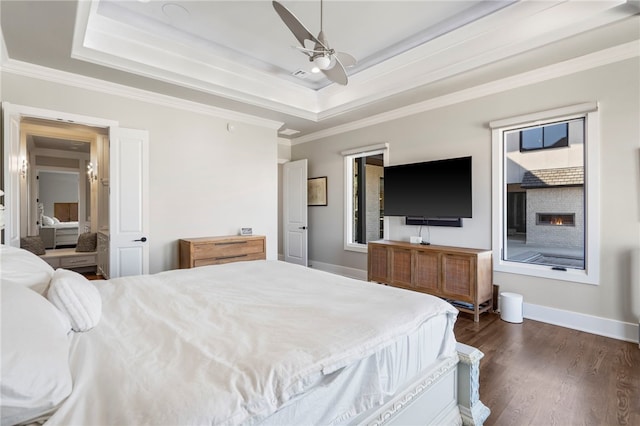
(120, 198)
(61, 190)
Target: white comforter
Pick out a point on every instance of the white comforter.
(63, 225)
(228, 344)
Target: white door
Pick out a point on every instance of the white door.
(294, 187)
(12, 176)
(129, 203)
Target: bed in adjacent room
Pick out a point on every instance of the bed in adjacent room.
(259, 342)
(55, 233)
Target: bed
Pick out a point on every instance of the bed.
(55, 233)
(260, 342)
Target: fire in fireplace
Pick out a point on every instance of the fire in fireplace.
(556, 219)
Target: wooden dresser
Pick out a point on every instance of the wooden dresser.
(216, 250)
(462, 276)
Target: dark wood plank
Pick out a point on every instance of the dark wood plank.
(540, 374)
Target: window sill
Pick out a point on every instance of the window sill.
(543, 271)
(360, 248)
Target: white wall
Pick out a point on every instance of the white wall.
(204, 180)
(462, 129)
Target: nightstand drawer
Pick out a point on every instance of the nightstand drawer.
(77, 261)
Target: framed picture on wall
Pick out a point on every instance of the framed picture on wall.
(317, 191)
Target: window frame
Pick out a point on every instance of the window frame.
(589, 111)
(349, 156)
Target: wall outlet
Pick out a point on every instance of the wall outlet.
(415, 240)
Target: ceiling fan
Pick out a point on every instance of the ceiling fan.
(331, 63)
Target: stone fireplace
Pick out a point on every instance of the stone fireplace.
(549, 227)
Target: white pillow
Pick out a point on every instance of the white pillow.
(55, 220)
(77, 298)
(47, 221)
(35, 355)
(25, 268)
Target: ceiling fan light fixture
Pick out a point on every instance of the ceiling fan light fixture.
(322, 62)
(323, 57)
(315, 70)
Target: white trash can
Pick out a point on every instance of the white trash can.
(511, 307)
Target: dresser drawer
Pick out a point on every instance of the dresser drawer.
(228, 248)
(215, 250)
(77, 261)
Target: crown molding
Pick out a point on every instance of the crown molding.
(593, 60)
(39, 72)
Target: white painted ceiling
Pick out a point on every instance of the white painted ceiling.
(44, 142)
(238, 55)
(250, 33)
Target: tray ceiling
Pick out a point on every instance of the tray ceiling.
(241, 55)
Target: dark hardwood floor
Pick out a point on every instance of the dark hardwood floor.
(540, 374)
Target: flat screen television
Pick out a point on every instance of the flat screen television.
(433, 189)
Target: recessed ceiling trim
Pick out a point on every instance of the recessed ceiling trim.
(601, 58)
(443, 58)
(101, 40)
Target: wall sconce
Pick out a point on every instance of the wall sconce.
(91, 173)
(23, 169)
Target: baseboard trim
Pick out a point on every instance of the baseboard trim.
(358, 274)
(583, 322)
(574, 320)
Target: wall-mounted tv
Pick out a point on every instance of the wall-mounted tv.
(433, 189)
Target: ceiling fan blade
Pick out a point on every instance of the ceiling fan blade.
(337, 74)
(345, 59)
(295, 26)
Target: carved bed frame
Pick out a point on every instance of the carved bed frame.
(447, 394)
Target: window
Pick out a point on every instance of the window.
(546, 194)
(364, 196)
(541, 137)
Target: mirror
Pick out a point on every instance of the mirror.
(57, 195)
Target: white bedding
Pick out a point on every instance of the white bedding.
(234, 343)
(60, 234)
(62, 225)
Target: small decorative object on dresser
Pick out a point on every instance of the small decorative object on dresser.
(215, 250)
(246, 231)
